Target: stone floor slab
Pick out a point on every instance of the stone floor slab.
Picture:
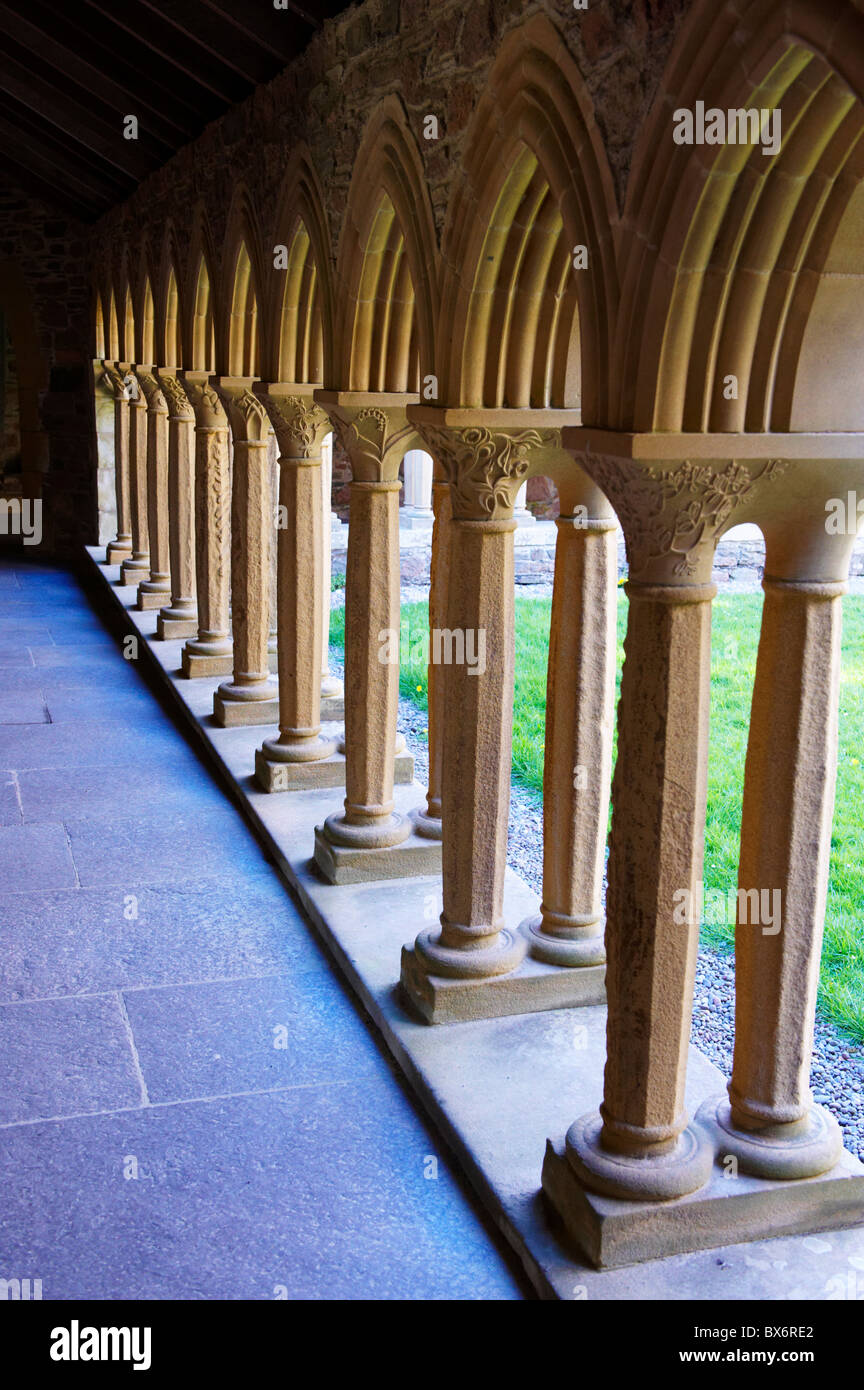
(35, 856)
(65, 1057)
(23, 707)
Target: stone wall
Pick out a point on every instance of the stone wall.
(44, 260)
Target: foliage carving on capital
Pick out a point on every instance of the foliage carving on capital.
(115, 381)
(667, 516)
(485, 467)
(209, 412)
(249, 420)
(300, 425)
(372, 445)
(178, 401)
(152, 392)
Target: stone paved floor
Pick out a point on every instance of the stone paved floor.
(190, 1105)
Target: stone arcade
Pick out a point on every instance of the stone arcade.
(455, 261)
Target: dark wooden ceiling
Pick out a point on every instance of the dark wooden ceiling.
(70, 70)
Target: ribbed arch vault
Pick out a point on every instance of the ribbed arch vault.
(302, 306)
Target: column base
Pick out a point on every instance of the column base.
(273, 775)
(408, 858)
(169, 627)
(116, 552)
(133, 572)
(234, 711)
(152, 597)
(574, 952)
(532, 987)
(332, 708)
(194, 664)
(725, 1211)
(427, 827)
(777, 1153)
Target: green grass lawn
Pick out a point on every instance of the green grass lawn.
(735, 640)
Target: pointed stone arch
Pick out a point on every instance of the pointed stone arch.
(723, 246)
(300, 331)
(388, 267)
(112, 344)
(241, 312)
(199, 299)
(168, 335)
(520, 326)
(144, 306)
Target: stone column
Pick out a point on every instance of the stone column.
(179, 618)
(210, 652)
(290, 759)
(428, 821)
(580, 710)
(156, 588)
(250, 697)
(137, 566)
(366, 839)
(640, 1145)
(771, 1124)
(416, 510)
(332, 701)
(121, 548)
(274, 485)
(521, 514)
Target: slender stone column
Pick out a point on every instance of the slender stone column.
(428, 821)
(209, 653)
(179, 618)
(332, 701)
(153, 591)
(274, 486)
(300, 425)
(121, 548)
(250, 697)
(367, 839)
(417, 510)
(137, 566)
(577, 768)
(771, 1125)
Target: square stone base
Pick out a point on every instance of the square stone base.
(727, 1211)
(148, 601)
(410, 859)
(333, 709)
(128, 578)
(193, 666)
(169, 629)
(328, 772)
(531, 988)
(115, 555)
(240, 714)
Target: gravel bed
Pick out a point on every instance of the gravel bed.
(837, 1077)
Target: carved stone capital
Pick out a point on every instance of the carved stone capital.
(673, 514)
(177, 400)
(246, 415)
(300, 424)
(116, 381)
(486, 467)
(375, 437)
(209, 413)
(156, 403)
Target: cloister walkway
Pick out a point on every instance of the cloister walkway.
(190, 1104)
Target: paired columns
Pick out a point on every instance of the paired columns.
(179, 618)
(121, 547)
(136, 566)
(359, 842)
(250, 696)
(154, 590)
(474, 965)
(300, 426)
(209, 653)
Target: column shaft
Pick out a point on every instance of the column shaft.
(429, 822)
(137, 566)
(251, 524)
